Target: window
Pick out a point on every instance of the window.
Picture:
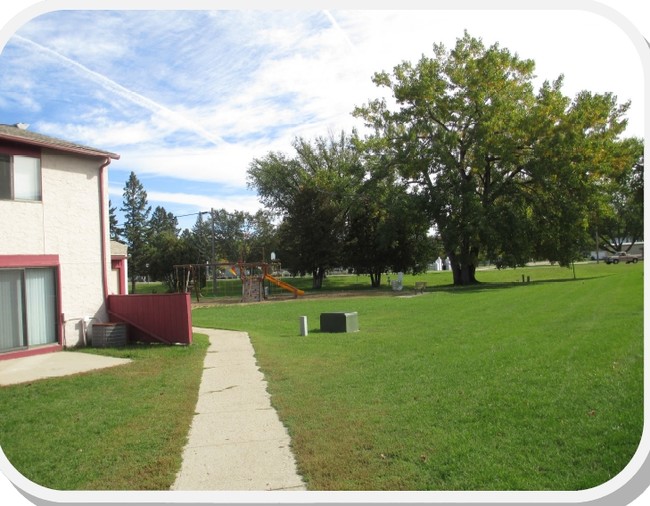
(27, 308)
(20, 177)
(5, 177)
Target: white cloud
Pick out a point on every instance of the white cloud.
(109, 133)
(225, 165)
(197, 99)
(229, 203)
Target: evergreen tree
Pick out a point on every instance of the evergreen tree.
(136, 227)
(115, 230)
(201, 242)
(163, 222)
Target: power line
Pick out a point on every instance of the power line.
(192, 214)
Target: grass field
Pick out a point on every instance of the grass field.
(121, 428)
(231, 288)
(504, 386)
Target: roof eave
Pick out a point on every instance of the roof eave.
(57, 147)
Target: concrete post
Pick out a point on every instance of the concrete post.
(303, 325)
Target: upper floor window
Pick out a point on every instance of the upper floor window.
(20, 177)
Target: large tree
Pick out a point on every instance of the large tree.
(136, 227)
(311, 192)
(507, 172)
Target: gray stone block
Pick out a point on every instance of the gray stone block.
(339, 322)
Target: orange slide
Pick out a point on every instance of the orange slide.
(285, 286)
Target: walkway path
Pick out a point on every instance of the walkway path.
(236, 440)
(53, 365)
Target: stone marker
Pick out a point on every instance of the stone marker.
(339, 322)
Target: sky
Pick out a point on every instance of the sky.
(189, 99)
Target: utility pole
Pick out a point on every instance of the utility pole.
(212, 260)
(214, 271)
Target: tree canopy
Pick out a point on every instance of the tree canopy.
(387, 228)
(311, 193)
(507, 172)
(336, 214)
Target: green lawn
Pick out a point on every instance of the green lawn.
(505, 386)
(231, 288)
(121, 428)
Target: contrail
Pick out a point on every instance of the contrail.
(338, 27)
(108, 84)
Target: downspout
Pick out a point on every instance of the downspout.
(102, 212)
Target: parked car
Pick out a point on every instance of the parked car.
(622, 256)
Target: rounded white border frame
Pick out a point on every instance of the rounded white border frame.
(624, 488)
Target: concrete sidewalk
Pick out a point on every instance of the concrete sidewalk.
(236, 440)
(53, 365)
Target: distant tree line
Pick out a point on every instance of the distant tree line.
(466, 161)
(156, 242)
(379, 231)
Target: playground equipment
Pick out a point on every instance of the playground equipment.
(252, 275)
(284, 286)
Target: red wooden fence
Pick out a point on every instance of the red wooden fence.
(165, 318)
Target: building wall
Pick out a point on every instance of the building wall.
(66, 223)
(21, 228)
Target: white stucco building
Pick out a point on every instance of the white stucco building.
(56, 270)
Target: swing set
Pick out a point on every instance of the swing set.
(252, 276)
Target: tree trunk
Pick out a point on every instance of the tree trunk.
(463, 269)
(317, 278)
(375, 279)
